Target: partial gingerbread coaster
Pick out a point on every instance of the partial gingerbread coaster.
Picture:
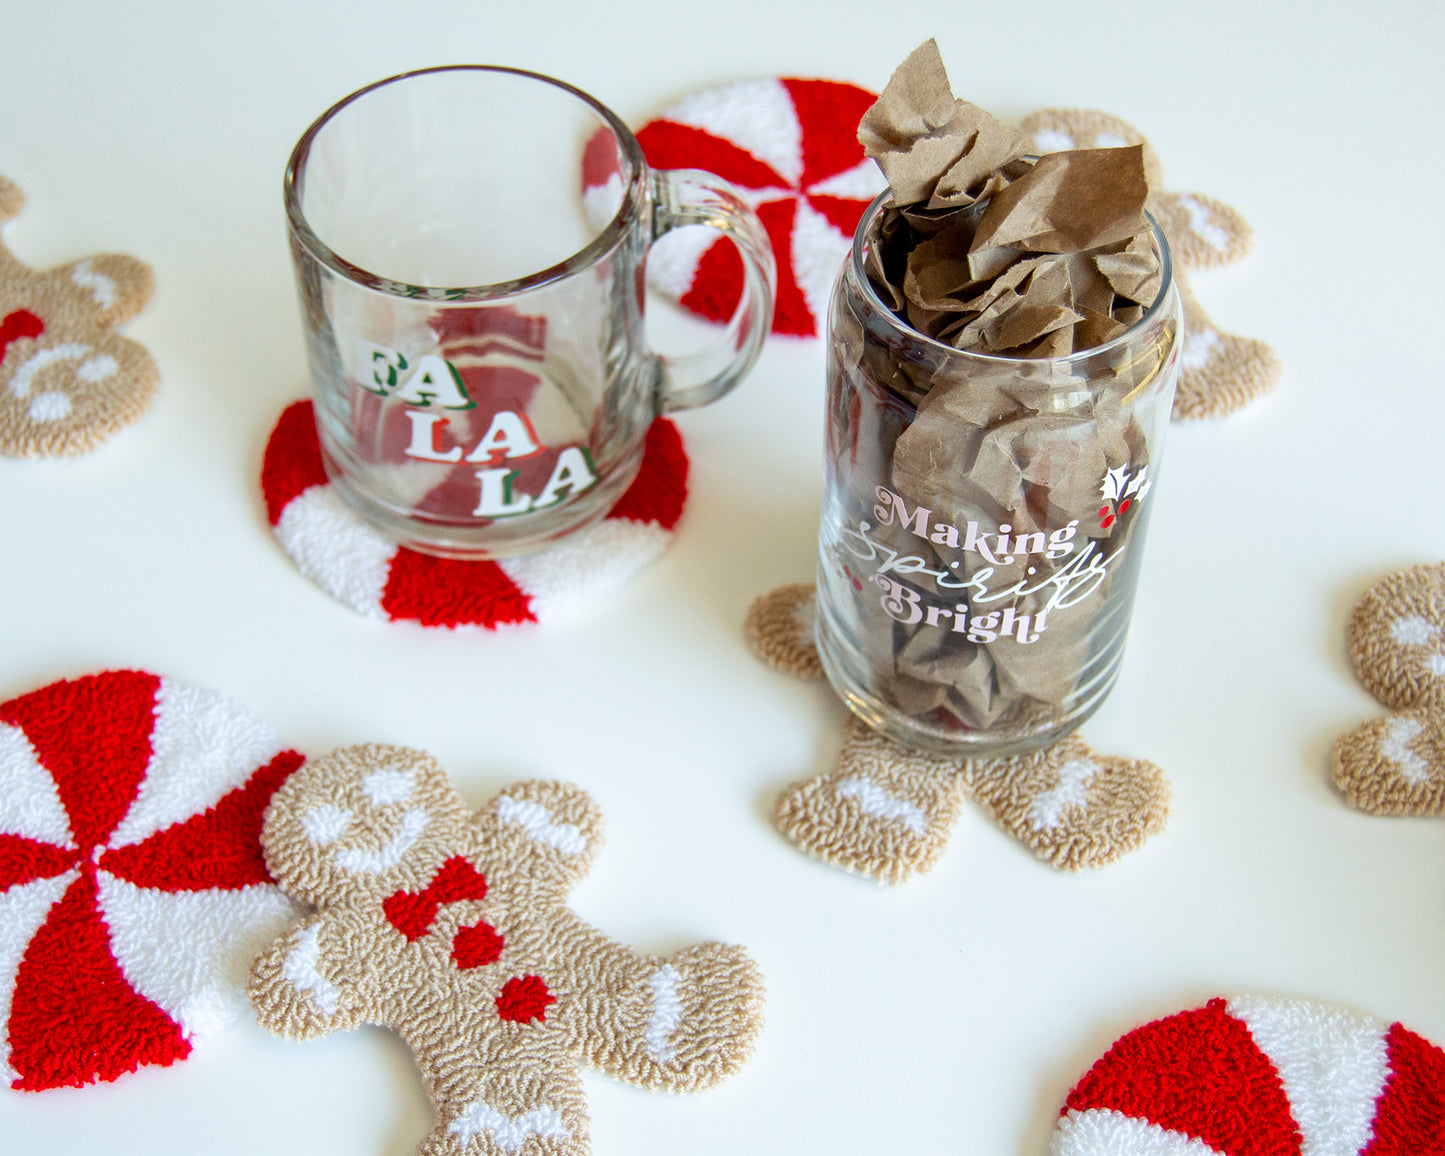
(451, 928)
(67, 383)
(887, 811)
(1393, 765)
(1396, 638)
(1253, 1075)
(1221, 372)
(356, 565)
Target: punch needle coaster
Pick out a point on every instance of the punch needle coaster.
(1220, 372)
(451, 928)
(133, 892)
(1395, 765)
(790, 147)
(887, 811)
(67, 383)
(1255, 1076)
(353, 563)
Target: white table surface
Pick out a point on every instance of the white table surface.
(949, 1015)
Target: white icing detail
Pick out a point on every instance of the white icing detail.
(1198, 347)
(585, 567)
(188, 951)
(818, 249)
(23, 911)
(325, 824)
(101, 287)
(41, 360)
(29, 802)
(1105, 1132)
(51, 405)
(389, 786)
(336, 549)
(537, 821)
(1051, 140)
(880, 804)
(862, 182)
(1047, 810)
(1332, 1063)
(805, 619)
(360, 862)
(666, 1014)
(301, 970)
(203, 746)
(1109, 140)
(1436, 664)
(1413, 630)
(509, 1133)
(756, 115)
(1395, 748)
(1201, 223)
(97, 368)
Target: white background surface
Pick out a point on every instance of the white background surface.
(950, 1015)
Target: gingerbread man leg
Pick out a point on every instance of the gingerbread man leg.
(1394, 765)
(501, 1095)
(679, 1023)
(1071, 807)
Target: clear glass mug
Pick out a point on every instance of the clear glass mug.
(470, 245)
(983, 519)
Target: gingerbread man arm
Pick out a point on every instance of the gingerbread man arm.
(678, 1023)
(547, 833)
(100, 291)
(305, 985)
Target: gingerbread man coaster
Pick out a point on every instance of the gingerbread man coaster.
(1221, 372)
(67, 383)
(1396, 638)
(1253, 1075)
(452, 929)
(887, 811)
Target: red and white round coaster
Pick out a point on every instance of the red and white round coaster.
(1252, 1076)
(791, 148)
(376, 577)
(133, 890)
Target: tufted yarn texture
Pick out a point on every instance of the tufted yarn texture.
(67, 383)
(887, 811)
(1256, 1076)
(451, 928)
(133, 891)
(355, 564)
(1395, 765)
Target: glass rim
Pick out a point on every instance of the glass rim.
(603, 242)
(894, 322)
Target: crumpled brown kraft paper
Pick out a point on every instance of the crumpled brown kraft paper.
(1025, 261)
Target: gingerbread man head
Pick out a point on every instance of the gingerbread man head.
(66, 381)
(451, 928)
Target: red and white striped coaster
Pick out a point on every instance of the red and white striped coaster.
(355, 564)
(133, 890)
(791, 148)
(1252, 1076)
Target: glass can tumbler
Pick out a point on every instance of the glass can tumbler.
(983, 519)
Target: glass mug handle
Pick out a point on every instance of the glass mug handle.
(693, 197)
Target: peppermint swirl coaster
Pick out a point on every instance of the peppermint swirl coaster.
(67, 383)
(1395, 765)
(1254, 1075)
(887, 811)
(790, 147)
(133, 892)
(356, 565)
(452, 929)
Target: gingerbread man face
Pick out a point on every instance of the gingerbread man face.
(452, 929)
(66, 381)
